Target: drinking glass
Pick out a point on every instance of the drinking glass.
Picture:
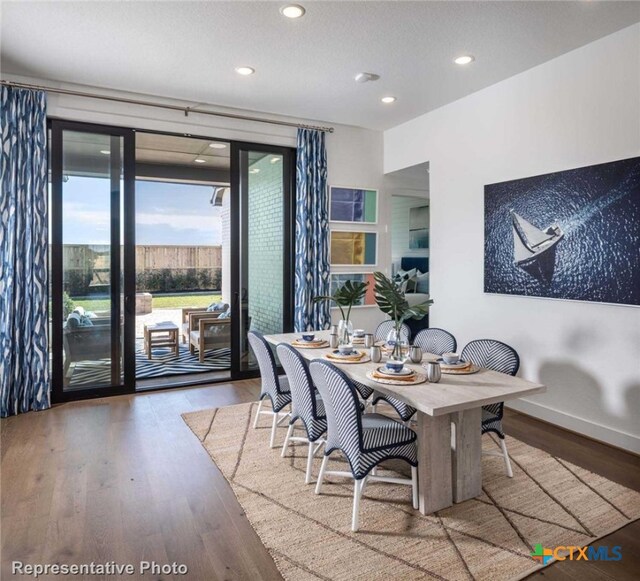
(376, 353)
(368, 340)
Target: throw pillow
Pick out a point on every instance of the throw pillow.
(403, 279)
(406, 274)
(225, 315)
(73, 321)
(85, 321)
(422, 283)
(217, 306)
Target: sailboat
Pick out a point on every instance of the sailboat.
(531, 243)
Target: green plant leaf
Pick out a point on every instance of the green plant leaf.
(391, 300)
(347, 295)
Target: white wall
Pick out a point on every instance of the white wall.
(355, 159)
(580, 109)
(354, 155)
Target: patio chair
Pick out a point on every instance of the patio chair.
(209, 330)
(185, 329)
(88, 343)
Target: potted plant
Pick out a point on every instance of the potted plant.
(391, 301)
(350, 293)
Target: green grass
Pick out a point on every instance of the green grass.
(184, 300)
(172, 301)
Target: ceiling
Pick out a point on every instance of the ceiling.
(175, 150)
(305, 67)
(158, 156)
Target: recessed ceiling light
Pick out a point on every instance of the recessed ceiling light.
(199, 160)
(105, 151)
(389, 99)
(292, 11)
(254, 170)
(275, 159)
(218, 145)
(464, 59)
(245, 71)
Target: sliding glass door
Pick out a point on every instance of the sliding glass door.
(91, 314)
(214, 257)
(263, 258)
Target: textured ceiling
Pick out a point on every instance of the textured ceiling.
(305, 67)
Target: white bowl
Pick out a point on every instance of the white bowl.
(345, 349)
(451, 358)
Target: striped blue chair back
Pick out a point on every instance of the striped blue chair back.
(385, 327)
(436, 341)
(341, 404)
(492, 354)
(303, 392)
(267, 365)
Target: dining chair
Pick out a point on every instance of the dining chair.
(436, 341)
(365, 439)
(384, 328)
(432, 340)
(275, 387)
(498, 356)
(381, 333)
(306, 405)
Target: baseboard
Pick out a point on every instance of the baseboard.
(581, 426)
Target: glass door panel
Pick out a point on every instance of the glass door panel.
(263, 293)
(87, 259)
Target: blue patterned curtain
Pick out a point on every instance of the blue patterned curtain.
(24, 294)
(312, 232)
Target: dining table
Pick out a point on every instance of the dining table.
(448, 420)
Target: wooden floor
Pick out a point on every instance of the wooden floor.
(123, 479)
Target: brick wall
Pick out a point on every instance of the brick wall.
(265, 245)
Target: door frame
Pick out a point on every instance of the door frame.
(56, 125)
(239, 221)
(124, 355)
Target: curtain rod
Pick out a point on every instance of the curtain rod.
(185, 110)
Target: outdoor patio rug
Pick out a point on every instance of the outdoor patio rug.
(163, 364)
(548, 502)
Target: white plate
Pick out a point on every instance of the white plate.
(384, 370)
(460, 363)
(337, 353)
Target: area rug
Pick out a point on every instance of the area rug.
(548, 502)
(163, 364)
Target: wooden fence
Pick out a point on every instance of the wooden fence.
(85, 257)
(158, 268)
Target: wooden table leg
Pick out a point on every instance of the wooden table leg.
(176, 339)
(434, 462)
(467, 455)
(146, 341)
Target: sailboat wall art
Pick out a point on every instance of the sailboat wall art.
(571, 235)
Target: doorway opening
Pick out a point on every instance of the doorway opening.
(182, 251)
(410, 232)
